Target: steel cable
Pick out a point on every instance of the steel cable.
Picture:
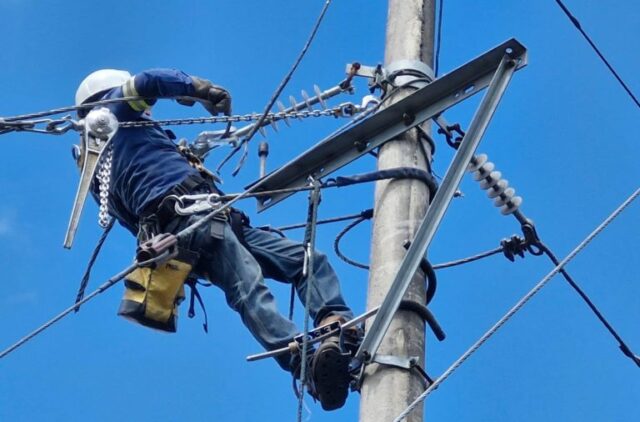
(275, 95)
(523, 301)
(623, 346)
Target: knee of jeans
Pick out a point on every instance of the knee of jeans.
(241, 292)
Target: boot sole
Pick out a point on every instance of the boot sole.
(331, 376)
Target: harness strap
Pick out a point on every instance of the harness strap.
(238, 221)
(197, 163)
(195, 294)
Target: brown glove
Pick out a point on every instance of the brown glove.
(214, 99)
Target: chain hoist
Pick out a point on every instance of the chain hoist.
(94, 157)
(344, 109)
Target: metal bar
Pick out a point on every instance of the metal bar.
(336, 151)
(351, 323)
(436, 211)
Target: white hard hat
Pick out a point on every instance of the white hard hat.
(99, 81)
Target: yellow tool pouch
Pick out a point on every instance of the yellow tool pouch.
(152, 295)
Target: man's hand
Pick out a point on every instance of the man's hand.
(215, 99)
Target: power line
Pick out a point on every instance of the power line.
(626, 350)
(576, 23)
(474, 348)
(276, 94)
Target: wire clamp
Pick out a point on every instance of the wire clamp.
(398, 73)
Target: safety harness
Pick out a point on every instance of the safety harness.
(153, 293)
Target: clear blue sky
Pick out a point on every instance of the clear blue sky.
(563, 136)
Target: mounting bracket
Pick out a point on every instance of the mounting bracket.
(427, 102)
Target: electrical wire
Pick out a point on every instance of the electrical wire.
(518, 306)
(577, 24)
(336, 242)
(438, 38)
(469, 259)
(623, 346)
(276, 94)
(325, 221)
(69, 109)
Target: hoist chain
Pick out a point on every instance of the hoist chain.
(345, 109)
(61, 126)
(104, 178)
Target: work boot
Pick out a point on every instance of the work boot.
(330, 368)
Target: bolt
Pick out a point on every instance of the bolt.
(408, 118)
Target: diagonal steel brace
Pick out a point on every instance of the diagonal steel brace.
(374, 335)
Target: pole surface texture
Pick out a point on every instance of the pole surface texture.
(399, 208)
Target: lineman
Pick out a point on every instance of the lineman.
(146, 168)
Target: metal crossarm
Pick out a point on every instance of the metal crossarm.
(336, 151)
(435, 212)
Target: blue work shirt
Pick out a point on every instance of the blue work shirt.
(146, 163)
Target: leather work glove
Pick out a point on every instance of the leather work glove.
(214, 99)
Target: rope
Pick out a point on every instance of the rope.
(113, 280)
(576, 23)
(275, 95)
(87, 273)
(517, 306)
(309, 239)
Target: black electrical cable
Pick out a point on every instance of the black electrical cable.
(325, 221)
(69, 109)
(577, 24)
(336, 242)
(623, 346)
(276, 94)
(438, 38)
(469, 259)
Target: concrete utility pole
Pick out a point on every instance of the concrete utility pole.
(399, 208)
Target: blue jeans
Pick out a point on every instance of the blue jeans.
(239, 270)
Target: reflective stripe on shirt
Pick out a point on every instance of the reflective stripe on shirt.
(129, 90)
